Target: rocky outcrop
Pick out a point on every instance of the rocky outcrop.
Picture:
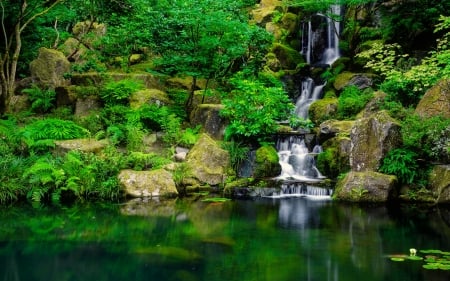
(372, 138)
(323, 109)
(331, 128)
(436, 101)
(208, 116)
(207, 161)
(49, 68)
(266, 162)
(365, 187)
(156, 183)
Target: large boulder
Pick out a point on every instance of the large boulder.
(436, 101)
(156, 183)
(207, 161)
(331, 128)
(208, 116)
(346, 79)
(323, 109)
(439, 183)
(267, 162)
(372, 138)
(49, 68)
(365, 187)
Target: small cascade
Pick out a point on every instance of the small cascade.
(320, 38)
(331, 53)
(309, 93)
(297, 162)
(298, 189)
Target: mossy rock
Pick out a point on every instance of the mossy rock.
(148, 96)
(366, 186)
(334, 160)
(436, 101)
(289, 58)
(323, 109)
(343, 80)
(266, 162)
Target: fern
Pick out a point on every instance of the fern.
(402, 163)
(55, 129)
(41, 100)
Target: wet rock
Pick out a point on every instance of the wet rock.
(372, 138)
(156, 183)
(365, 187)
(436, 101)
(207, 161)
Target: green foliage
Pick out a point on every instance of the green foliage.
(145, 161)
(190, 136)
(254, 108)
(41, 100)
(296, 123)
(12, 188)
(351, 101)
(238, 153)
(181, 172)
(402, 163)
(427, 136)
(117, 92)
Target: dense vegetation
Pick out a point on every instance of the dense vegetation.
(214, 42)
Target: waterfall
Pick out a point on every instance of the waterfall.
(320, 46)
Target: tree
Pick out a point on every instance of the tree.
(206, 39)
(16, 16)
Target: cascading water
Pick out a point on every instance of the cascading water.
(296, 159)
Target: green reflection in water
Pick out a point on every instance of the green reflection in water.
(287, 239)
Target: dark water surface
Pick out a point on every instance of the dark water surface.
(264, 239)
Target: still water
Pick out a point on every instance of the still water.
(187, 239)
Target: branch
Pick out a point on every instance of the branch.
(39, 14)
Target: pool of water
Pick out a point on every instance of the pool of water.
(187, 239)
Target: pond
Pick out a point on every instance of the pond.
(187, 239)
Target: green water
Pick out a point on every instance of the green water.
(266, 239)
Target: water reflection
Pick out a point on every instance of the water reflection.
(264, 239)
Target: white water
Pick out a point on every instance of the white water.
(331, 53)
(309, 93)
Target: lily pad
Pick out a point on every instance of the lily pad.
(397, 259)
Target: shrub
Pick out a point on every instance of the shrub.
(238, 153)
(351, 101)
(402, 163)
(118, 92)
(41, 100)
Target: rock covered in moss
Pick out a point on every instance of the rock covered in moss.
(323, 109)
(48, 69)
(436, 101)
(332, 127)
(208, 116)
(439, 183)
(156, 183)
(366, 186)
(207, 161)
(334, 160)
(372, 138)
(346, 79)
(267, 162)
(289, 58)
(148, 96)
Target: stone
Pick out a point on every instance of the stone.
(436, 101)
(334, 160)
(289, 58)
(267, 163)
(49, 68)
(366, 186)
(148, 96)
(84, 145)
(332, 127)
(156, 183)
(372, 138)
(374, 104)
(208, 116)
(86, 105)
(439, 183)
(322, 109)
(346, 79)
(207, 161)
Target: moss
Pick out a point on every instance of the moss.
(342, 80)
(267, 162)
(334, 160)
(288, 57)
(323, 109)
